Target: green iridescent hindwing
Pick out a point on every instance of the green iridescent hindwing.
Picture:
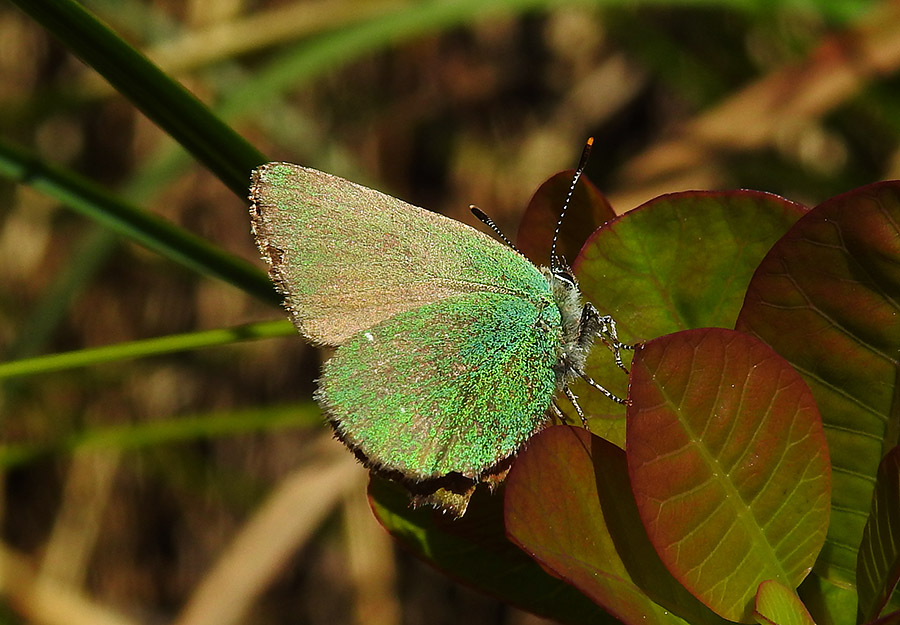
(455, 386)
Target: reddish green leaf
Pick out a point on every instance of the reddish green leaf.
(687, 257)
(776, 604)
(475, 550)
(890, 619)
(878, 564)
(826, 298)
(680, 261)
(568, 503)
(893, 602)
(588, 211)
(728, 464)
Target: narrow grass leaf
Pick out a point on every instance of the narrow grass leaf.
(143, 348)
(147, 229)
(158, 96)
(149, 434)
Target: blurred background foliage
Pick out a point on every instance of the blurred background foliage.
(200, 487)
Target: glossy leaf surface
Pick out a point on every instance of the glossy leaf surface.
(878, 565)
(776, 604)
(826, 298)
(728, 464)
(568, 503)
(475, 550)
(678, 262)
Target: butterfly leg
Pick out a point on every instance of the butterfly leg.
(557, 412)
(590, 381)
(603, 326)
(610, 338)
(574, 400)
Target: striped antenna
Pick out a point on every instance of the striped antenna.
(490, 224)
(555, 264)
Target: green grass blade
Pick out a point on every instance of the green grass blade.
(141, 435)
(162, 99)
(145, 347)
(145, 228)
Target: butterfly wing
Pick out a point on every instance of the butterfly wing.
(347, 257)
(454, 386)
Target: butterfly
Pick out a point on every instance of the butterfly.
(451, 345)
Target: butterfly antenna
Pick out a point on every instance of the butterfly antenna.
(555, 263)
(490, 224)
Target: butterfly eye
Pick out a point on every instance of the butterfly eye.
(566, 277)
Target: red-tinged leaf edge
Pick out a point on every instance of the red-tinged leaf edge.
(569, 505)
(588, 210)
(475, 551)
(888, 619)
(679, 261)
(728, 463)
(825, 298)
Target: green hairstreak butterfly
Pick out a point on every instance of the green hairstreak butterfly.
(451, 345)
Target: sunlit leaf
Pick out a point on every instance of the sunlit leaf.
(826, 298)
(728, 464)
(568, 503)
(678, 262)
(475, 550)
